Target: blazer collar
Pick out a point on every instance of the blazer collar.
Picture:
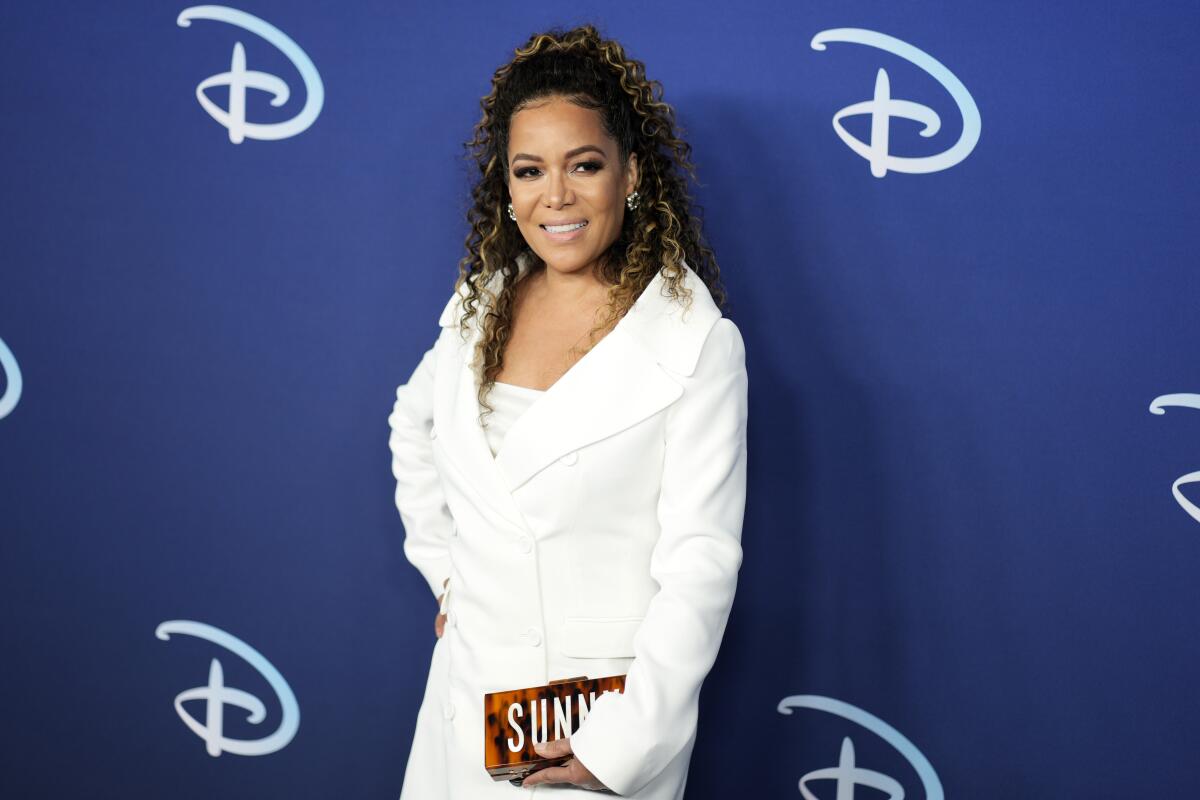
(627, 376)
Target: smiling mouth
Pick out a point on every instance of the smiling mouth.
(564, 228)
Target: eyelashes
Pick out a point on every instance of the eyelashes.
(595, 166)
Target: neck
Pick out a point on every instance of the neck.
(569, 288)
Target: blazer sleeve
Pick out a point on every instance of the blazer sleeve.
(628, 738)
(428, 524)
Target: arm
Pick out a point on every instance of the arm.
(419, 497)
(629, 738)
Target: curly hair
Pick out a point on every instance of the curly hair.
(663, 231)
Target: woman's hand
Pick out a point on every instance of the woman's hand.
(439, 622)
(572, 771)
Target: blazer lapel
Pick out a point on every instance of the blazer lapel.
(456, 417)
(614, 386)
(622, 380)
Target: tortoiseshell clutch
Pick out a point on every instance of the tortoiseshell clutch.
(512, 719)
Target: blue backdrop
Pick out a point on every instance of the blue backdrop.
(972, 534)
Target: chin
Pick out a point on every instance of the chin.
(565, 263)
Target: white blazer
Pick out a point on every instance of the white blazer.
(603, 538)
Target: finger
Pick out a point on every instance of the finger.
(548, 775)
(553, 748)
(439, 625)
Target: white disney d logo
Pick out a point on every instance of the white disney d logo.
(12, 378)
(217, 695)
(846, 773)
(882, 107)
(238, 79)
(1180, 401)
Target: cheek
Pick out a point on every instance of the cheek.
(605, 205)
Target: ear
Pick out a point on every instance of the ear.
(631, 174)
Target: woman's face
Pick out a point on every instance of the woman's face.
(564, 168)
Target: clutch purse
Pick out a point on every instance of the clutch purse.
(514, 719)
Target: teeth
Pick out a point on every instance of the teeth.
(564, 228)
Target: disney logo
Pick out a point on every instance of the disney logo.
(846, 773)
(12, 379)
(216, 695)
(239, 79)
(882, 107)
(1157, 406)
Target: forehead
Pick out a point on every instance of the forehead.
(553, 126)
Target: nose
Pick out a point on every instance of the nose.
(556, 189)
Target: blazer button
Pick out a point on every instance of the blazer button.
(432, 432)
(525, 544)
(532, 637)
(448, 711)
(570, 458)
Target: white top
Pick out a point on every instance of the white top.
(509, 402)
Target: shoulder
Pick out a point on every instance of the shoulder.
(724, 348)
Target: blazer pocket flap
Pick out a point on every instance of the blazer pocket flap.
(599, 637)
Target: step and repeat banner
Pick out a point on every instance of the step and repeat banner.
(960, 242)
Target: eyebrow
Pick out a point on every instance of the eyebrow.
(569, 154)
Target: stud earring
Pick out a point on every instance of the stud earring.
(631, 201)
(511, 214)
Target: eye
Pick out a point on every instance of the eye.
(521, 173)
(596, 166)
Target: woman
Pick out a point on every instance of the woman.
(570, 455)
